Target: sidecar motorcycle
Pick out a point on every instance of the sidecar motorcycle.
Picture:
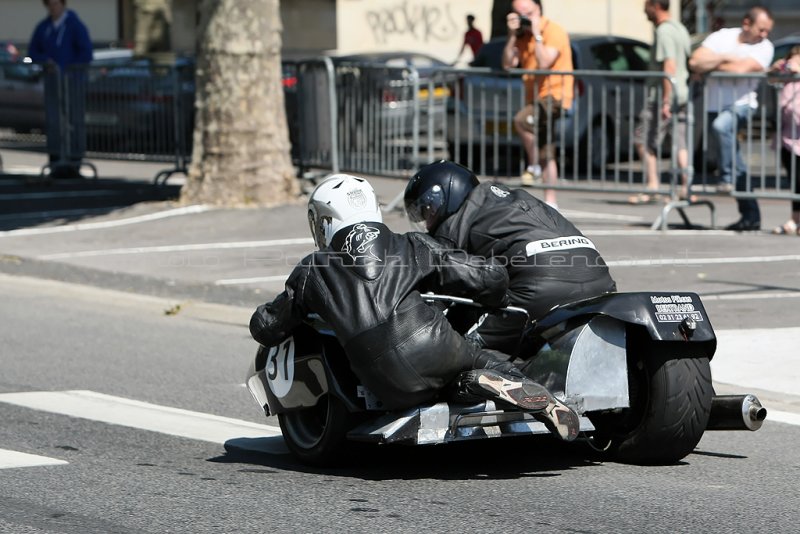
(634, 366)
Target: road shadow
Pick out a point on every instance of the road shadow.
(512, 458)
(30, 201)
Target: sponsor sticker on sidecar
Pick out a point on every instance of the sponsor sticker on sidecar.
(674, 308)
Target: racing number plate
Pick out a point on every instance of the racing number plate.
(280, 368)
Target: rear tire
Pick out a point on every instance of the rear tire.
(317, 435)
(670, 406)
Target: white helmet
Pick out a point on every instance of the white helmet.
(340, 200)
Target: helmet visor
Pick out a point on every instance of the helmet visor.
(423, 212)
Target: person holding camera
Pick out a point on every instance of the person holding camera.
(537, 43)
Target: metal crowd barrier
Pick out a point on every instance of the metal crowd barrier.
(390, 121)
(133, 111)
(366, 118)
(756, 138)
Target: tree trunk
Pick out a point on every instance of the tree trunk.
(241, 142)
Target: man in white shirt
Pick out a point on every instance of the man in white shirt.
(741, 51)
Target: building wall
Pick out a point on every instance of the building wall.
(20, 16)
(437, 27)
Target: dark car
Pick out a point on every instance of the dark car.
(22, 86)
(597, 129)
(21, 92)
(140, 107)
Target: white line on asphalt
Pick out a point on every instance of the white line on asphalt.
(577, 214)
(701, 261)
(254, 280)
(140, 415)
(652, 233)
(9, 459)
(753, 296)
(178, 248)
(788, 418)
(108, 224)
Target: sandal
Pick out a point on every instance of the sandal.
(787, 228)
(685, 195)
(643, 198)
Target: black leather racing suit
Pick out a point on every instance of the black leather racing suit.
(365, 286)
(549, 260)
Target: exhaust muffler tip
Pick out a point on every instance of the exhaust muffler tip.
(736, 412)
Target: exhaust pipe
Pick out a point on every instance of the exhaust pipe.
(736, 412)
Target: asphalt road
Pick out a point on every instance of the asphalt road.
(123, 351)
(65, 338)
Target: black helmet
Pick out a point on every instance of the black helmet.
(436, 192)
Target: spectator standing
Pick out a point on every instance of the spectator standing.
(61, 42)
(538, 43)
(789, 138)
(670, 52)
(741, 51)
(473, 38)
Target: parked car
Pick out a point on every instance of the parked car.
(22, 87)
(21, 92)
(139, 107)
(600, 118)
(388, 87)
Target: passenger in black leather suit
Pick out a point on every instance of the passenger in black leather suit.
(365, 282)
(549, 260)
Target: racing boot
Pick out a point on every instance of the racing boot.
(514, 389)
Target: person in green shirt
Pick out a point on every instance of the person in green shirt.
(669, 54)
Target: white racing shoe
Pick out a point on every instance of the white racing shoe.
(524, 394)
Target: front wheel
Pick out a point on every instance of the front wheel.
(317, 435)
(670, 401)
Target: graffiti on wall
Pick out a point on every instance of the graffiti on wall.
(412, 18)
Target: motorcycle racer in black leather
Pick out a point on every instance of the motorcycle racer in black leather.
(549, 260)
(365, 282)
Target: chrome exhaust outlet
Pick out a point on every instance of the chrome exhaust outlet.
(736, 412)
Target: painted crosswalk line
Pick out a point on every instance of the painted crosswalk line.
(11, 459)
(140, 415)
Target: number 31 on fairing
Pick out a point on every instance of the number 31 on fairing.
(280, 367)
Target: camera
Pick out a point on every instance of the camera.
(525, 26)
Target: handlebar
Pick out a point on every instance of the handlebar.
(432, 297)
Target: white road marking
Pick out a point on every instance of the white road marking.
(140, 415)
(577, 214)
(701, 261)
(788, 418)
(9, 459)
(760, 358)
(651, 233)
(108, 224)
(753, 296)
(177, 248)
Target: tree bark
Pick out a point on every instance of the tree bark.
(241, 142)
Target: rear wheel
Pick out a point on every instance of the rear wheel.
(317, 435)
(670, 397)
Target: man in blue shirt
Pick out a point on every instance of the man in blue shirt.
(61, 42)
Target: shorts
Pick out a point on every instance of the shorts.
(539, 119)
(650, 131)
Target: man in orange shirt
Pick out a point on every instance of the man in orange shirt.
(537, 43)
